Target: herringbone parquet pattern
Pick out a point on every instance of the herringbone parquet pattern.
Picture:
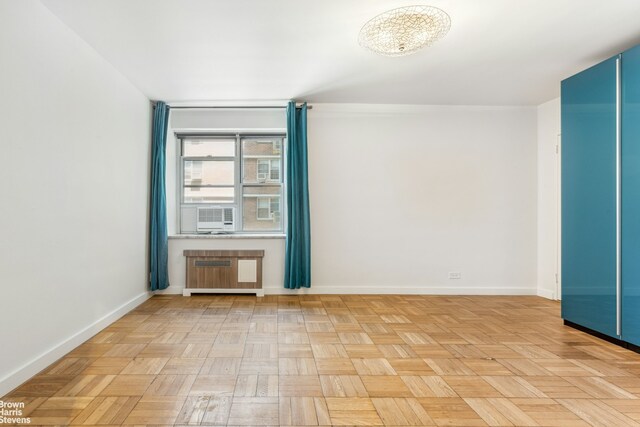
(339, 360)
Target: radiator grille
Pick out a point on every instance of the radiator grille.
(214, 263)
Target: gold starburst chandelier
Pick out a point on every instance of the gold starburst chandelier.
(405, 30)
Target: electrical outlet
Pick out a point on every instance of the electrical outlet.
(455, 275)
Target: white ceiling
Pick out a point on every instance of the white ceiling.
(498, 52)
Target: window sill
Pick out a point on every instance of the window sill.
(228, 236)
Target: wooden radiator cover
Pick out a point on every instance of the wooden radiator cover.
(219, 269)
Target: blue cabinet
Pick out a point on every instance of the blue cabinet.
(630, 137)
(589, 198)
(601, 198)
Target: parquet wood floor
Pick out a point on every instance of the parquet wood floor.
(339, 360)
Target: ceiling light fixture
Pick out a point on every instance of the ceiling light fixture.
(405, 30)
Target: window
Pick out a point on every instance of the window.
(209, 170)
(262, 170)
(240, 172)
(267, 208)
(193, 171)
(264, 209)
(268, 170)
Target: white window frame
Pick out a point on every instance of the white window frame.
(240, 187)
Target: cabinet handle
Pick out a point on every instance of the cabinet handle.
(618, 198)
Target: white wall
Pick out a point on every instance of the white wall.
(403, 195)
(74, 189)
(548, 198)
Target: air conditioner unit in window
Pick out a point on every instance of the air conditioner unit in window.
(262, 177)
(215, 219)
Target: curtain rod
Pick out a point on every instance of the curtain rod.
(213, 107)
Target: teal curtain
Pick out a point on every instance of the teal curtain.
(297, 271)
(159, 245)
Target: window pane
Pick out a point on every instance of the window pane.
(275, 204)
(209, 172)
(263, 166)
(274, 173)
(262, 159)
(262, 208)
(209, 148)
(209, 195)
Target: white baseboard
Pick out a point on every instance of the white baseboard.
(546, 293)
(399, 290)
(34, 366)
(384, 290)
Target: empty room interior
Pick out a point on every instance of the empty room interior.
(320, 213)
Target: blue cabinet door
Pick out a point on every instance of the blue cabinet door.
(589, 215)
(631, 195)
